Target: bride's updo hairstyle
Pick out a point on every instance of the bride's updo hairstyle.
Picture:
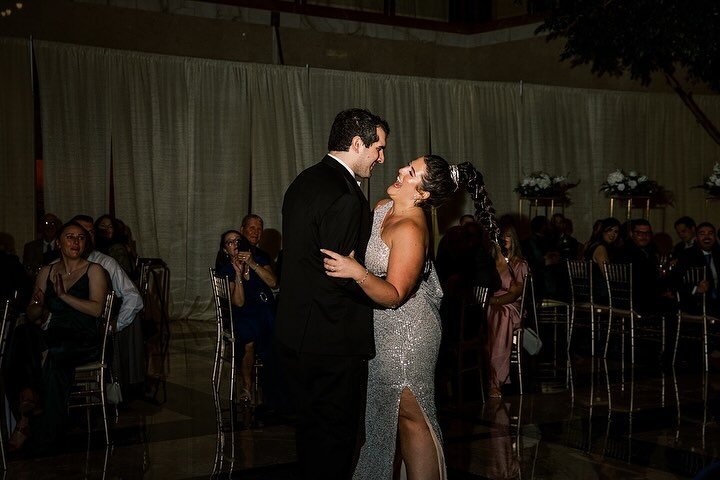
(442, 180)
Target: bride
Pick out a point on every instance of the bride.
(402, 433)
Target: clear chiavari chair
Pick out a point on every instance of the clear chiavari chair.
(619, 278)
(581, 298)
(687, 316)
(470, 346)
(90, 378)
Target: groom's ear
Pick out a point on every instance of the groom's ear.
(356, 144)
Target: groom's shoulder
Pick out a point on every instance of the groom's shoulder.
(322, 177)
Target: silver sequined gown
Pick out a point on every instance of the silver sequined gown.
(407, 341)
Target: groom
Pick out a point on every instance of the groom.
(324, 329)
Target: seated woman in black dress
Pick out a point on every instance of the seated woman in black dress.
(603, 248)
(61, 333)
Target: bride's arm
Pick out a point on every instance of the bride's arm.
(407, 256)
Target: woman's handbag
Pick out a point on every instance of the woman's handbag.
(113, 394)
(531, 341)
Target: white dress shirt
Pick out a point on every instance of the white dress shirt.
(346, 167)
(124, 288)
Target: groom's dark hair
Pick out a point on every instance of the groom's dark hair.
(355, 122)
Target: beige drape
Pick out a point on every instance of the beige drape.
(75, 114)
(196, 144)
(17, 164)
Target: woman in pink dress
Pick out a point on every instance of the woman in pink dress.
(504, 314)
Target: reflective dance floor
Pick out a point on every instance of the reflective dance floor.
(579, 419)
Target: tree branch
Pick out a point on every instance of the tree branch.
(687, 99)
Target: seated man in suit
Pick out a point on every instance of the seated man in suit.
(42, 251)
(641, 253)
(685, 229)
(705, 253)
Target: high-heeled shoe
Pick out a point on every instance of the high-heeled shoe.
(495, 392)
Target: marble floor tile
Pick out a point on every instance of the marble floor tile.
(580, 418)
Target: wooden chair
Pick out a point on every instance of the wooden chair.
(692, 277)
(89, 383)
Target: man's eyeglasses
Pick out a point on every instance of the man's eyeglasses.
(641, 233)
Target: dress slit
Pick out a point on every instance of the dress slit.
(436, 441)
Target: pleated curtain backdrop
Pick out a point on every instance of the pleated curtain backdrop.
(197, 144)
(17, 163)
(76, 116)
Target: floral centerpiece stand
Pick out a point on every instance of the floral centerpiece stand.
(633, 191)
(540, 189)
(711, 185)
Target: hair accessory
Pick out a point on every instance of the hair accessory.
(455, 175)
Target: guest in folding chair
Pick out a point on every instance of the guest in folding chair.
(705, 253)
(69, 298)
(685, 229)
(42, 251)
(641, 252)
(111, 240)
(604, 247)
(504, 314)
(259, 279)
(247, 329)
(128, 364)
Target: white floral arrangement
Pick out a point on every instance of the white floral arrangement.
(629, 184)
(711, 184)
(542, 184)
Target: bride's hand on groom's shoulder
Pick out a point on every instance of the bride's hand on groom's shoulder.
(341, 266)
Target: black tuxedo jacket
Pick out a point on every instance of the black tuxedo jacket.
(323, 208)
